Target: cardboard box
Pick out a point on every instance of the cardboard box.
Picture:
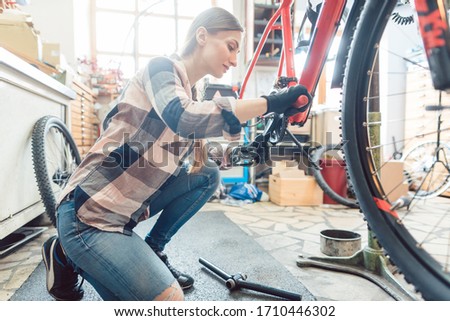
(391, 176)
(294, 188)
(284, 165)
(326, 125)
(51, 54)
(304, 130)
(17, 32)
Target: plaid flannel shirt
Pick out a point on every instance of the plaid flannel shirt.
(150, 132)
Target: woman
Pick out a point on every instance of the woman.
(135, 170)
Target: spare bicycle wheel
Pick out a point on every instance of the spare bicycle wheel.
(426, 169)
(55, 157)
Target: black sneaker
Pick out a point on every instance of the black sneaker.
(186, 281)
(62, 280)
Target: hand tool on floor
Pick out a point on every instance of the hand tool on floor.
(238, 281)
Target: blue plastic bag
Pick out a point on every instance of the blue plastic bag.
(245, 191)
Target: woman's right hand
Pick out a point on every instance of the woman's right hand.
(282, 102)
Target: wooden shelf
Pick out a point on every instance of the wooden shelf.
(263, 22)
(266, 6)
(84, 122)
(258, 15)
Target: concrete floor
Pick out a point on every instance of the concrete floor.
(284, 232)
(289, 232)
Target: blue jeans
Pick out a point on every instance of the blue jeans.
(123, 267)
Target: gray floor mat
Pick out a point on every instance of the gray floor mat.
(212, 236)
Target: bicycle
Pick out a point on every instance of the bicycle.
(412, 237)
(404, 235)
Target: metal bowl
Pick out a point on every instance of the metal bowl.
(339, 243)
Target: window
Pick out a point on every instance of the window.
(129, 32)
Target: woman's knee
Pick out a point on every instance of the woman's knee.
(213, 174)
(172, 293)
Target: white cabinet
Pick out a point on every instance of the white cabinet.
(26, 94)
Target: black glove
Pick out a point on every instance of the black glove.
(281, 102)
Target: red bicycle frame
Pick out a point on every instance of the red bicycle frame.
(436, 35)
(321, 40)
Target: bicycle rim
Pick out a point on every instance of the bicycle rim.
(55, 157)
(416, 237)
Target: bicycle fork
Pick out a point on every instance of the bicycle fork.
(433, 24)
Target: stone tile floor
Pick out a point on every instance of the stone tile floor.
(285, 232)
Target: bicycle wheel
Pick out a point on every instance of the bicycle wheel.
(55, 157)
(416, 237)
(426, 169)
(331, 155)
